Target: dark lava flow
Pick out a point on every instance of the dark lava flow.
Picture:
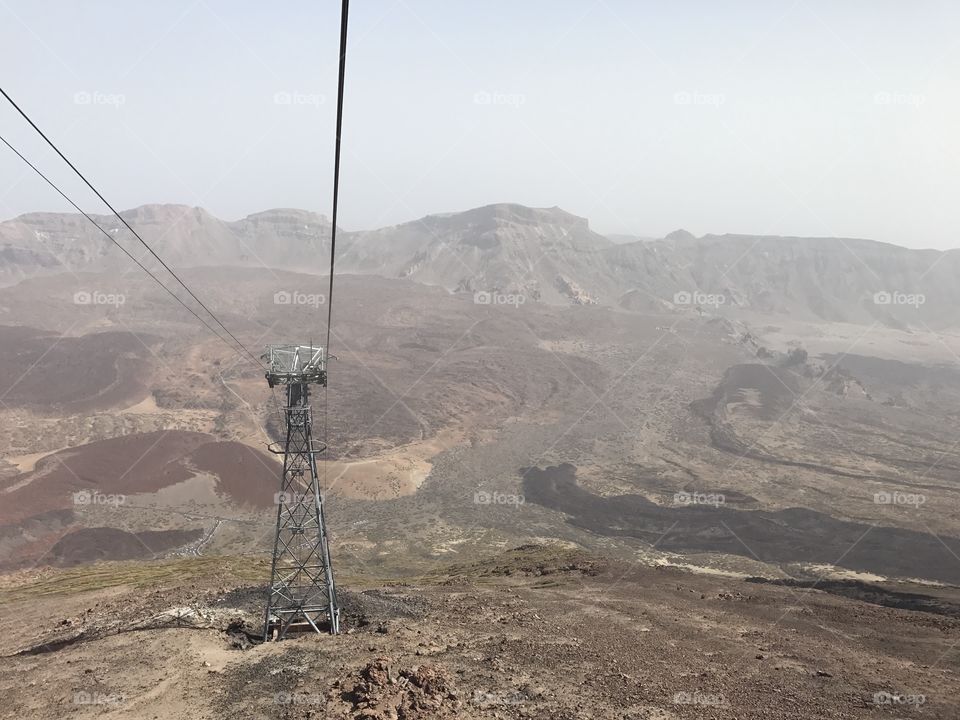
(794, 535)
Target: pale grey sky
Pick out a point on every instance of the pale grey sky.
(815, 117)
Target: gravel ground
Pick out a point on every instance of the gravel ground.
(536, 633)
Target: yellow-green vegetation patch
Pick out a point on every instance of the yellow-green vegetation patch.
(234, 570)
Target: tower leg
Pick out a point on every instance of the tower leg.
(302, 590)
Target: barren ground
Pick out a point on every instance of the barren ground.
(534, 633)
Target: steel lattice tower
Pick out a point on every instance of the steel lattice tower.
(302, 590)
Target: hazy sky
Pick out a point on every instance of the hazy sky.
(833, 117)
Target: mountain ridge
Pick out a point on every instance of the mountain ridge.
(508, 250)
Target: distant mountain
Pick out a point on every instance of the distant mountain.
(41, 243)
(509, 249)
(835, 279)
(542, 254)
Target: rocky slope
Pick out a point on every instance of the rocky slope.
(536, 633)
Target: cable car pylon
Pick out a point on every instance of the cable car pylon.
(302, 590)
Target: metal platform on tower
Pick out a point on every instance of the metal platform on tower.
(302, 590)
(296, 364)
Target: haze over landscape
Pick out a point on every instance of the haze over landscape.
(644, 373)
(782, 118)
